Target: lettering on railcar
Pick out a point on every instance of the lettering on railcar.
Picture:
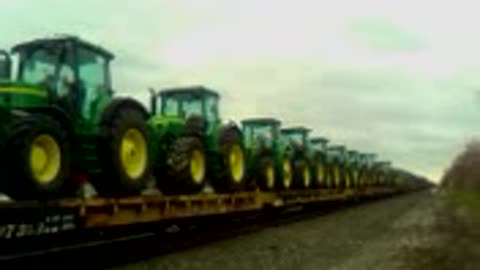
(49, 225)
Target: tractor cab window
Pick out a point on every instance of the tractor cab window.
(263, 135)
(169, 107)
(92, 75)
(191, 106)
(38, 66)
(296, 138)
(248, 135)
(212, 109)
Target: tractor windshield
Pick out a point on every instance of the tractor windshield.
(191, 107)
(255, 134)
(297, 138)
(212, 108)
(38, 66)
(181, 106)
(169, 107)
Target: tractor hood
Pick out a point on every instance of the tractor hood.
(21, 95)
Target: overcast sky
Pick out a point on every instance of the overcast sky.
(400, 78)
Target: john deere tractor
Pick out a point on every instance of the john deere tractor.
(60, 122)
(191, 143)
(351, 169)
(269, 155)
(319, 161)
(382, 173)
(336, 160)
(362, 168)
(298, 139)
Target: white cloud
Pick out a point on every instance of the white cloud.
(396, 77)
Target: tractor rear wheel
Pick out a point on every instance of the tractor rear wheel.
(124, 151)
(286, 174)
(265, 174)
(302, 176)
(38, 162)
(320, 172)
(186, 167)
(231, 174)
(336, 176)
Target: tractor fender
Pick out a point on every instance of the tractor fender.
(116, 105)
(227, 132)
(58, 114)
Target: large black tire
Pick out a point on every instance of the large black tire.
(265, 173)
(348, 177)
(123, 142)
(285, 174)
(302, 177)
(337, 176)
(37, 155)
(230, 175)
(186, 167)
(320, 174)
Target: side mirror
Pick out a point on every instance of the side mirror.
(5, 65)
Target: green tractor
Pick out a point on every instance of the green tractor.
(352, 169)
(336, 162)
(60, 123)
(191, 143)
(362, 167)
(319, 161)
(367, 175)
(269, 155)
(298, 141)
(383, 173)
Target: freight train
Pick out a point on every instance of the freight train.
(62, 128)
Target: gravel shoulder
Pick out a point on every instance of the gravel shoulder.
(367, 236)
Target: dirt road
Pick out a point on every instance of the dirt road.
(368, 236)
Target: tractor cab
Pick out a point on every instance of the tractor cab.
(186, 102)
(261, 132)
(66, 70)
(298, 137)
(319, 144)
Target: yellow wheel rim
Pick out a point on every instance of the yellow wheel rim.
(197, 166)
(320, 173)
(306, 176)
(287, 173)
(45, 159)
(270, 176)
(236, 163)
(133, 153)
(336, 176)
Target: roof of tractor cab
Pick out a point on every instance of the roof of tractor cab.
(319, 140)
(261, 121)
(61, 39)
(290, 130)
(337, 147)
(196, 91)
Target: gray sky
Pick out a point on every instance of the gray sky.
(400, 78)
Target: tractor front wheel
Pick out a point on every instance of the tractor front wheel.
(231, 172)
(124, 151)
(186, 167)
(38, 162)
(302, 175)
(265, 174)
